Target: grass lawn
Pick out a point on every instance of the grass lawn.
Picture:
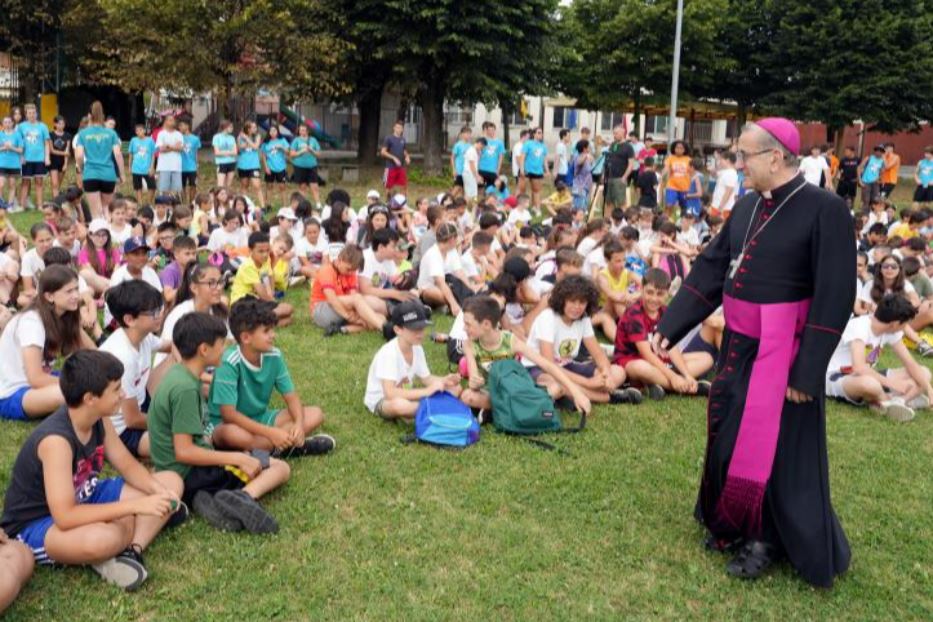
(505, 531)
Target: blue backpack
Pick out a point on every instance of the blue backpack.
(442, 419)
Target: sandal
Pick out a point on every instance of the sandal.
(752, 560)
(721, 545)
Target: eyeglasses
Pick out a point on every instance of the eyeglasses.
(153, 314)
(166, 238)
(890, 266)
(100, 234)
(212, 283)
(745, 155)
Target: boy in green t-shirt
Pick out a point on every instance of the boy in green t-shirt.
(221, 486)
(243, 385)
(486, 343)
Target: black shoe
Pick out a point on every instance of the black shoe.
(239, 505)
(333, 329)
(752, 560)
(179, 516)
(703, 387)
(206, 507)
(656, 392)
(316, 445)
(720, 545)
(126, 570)
(626, 396)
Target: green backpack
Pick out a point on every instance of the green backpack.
(519, 406)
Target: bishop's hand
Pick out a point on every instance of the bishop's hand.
(797, 397)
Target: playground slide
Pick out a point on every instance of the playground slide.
(291, 118)
(285, 131)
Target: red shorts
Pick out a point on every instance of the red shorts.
(396, 177)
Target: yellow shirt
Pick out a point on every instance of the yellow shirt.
(616, 284)
(903, 231)
(247, 277)
(280, 275)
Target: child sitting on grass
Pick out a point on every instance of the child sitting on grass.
(852, 377)
(486, 344)
(242, 387)
(618, 289)
(32, 263)
(337, 306)
(254, 277)
(57, 502)
(221, 486)
(633, 348)
(137, 308)
(390, 391)
(184, 252)
(560, 330)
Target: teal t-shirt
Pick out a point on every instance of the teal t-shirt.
(459, 150)
(11, 159)
(924, 171)
(535, 153)
(247, 156)
(238, 383)
(872, 171)
(34, 136)
(224, 142)
(275, 151)
(305, 160)
(98, 143)
(142, 150)
(189, 154)
(489, 158)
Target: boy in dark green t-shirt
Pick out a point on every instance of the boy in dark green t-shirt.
(221, 486)
(242, 387)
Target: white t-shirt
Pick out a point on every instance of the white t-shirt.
(221, 238)
(168, 327)
(24, 330)
(517, 149)
(726, 178)
(32, 264)
(865, 293)
(379, 273)
(470, 266)
(458, 330)
(121, 236)
(390, 364)
(169, 161)
(297, 231)
(74, 250)
(431, 267)
(859, 328)
(519, 217)
(452, 262)
(689, 237)
(586, 245)
(565, 339)
(313, 253)
(121, 274)
(812, 169)
(562, 158)
(137, 363)
(594, 261)
(872, 219)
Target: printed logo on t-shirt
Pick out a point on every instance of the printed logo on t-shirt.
(566, 349)
(86, 472)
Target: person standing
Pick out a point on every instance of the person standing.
(36, 156)
(923, 175)
(562, 156)
(464, 142)
(169, 145)
(393, 150)
(783, 269)
(727, 186)
(517, 150)
(870, 176)
(638, 148)
(60, 149)
(847, 184)
(815, 168)
(189, 161)
(534, 164)
(890, 171)
(97, 147)
(224, 145)
(618, 168)
(490, 161)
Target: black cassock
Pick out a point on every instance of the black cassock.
(803, 251)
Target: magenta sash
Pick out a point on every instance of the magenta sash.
(777, 327)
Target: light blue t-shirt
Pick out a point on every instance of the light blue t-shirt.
(224, 142)
(98, 143)
(535, 153)
(459, 150)
(275, 150)
(305, 160)
(34, 137)
(924, 171)
(10, 159)
(872, 169)
(189, 154)
(247, 158)
(489, 158)
(142, 150)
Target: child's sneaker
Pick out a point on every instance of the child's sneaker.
(126, 570)
(924, 349)
(703, 387)
(896, 410)
(316, 445)
(656, 392)
(237, 504)
(920, 402)
(206, 507)
(626, 396)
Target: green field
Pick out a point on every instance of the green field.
(504, 531)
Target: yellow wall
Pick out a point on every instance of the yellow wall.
(48, 108)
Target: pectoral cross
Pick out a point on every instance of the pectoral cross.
(734, 266)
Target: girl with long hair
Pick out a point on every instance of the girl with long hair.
(98, 147)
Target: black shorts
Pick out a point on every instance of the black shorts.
(131, 439)
(458, 181)
(34, 169)
(9, 172)
(887, 189)
(138, 182)
(247, 173)
(302, 175)
(923, 195)
(489, 178)
(189, 179)
(698, 344)
(210, 479)
(276, 178)
(534, 175)
(56, 163)
(99, 185)
(846, 189)
(228, 167)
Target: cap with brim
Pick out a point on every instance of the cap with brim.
(286, 212)
(97, 225)
(783, 130)
(134, 244)
(372, 194)
(410, 315)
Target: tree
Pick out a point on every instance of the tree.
(30, 31)
(235, 46)
(842, 60)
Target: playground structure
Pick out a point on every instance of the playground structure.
(289, 120)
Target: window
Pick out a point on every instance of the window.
(608, 120)
(559, 113)
(459, 115)
(656, 125)
(412, 114)
(516, 118)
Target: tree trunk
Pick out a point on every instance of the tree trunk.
(636, 120)
(370, 109)
(506, 108)
(741, 118)
(432, 116)
(831, 131)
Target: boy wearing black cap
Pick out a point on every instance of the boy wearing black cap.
(390, 392)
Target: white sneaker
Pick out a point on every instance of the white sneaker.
(896, 410)
(124, 570)
(920, 402)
